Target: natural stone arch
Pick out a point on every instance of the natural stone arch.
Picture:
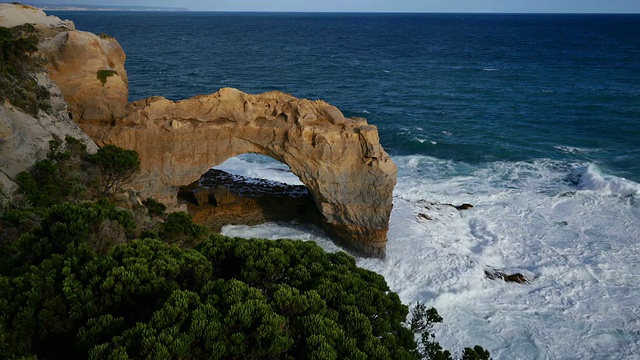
(341, 161)
(349, 175)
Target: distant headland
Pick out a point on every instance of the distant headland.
(45, 5)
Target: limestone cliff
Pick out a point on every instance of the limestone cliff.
(347, 172)
(89, 69)
(24, 138)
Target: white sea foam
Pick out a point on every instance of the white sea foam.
(572, 149)
(491, 69)
(563, 225)
(594, 180)
(259, 166)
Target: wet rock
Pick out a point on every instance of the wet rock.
(239, 200)
(495, 274)
(425, 216)
(220, 195)
(464, 207)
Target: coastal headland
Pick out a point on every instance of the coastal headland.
(349, 176)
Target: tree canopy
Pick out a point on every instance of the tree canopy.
(118, 166)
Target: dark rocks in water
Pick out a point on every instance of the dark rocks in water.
(436, 211)
(463, 207)
(425, 216)
(220, 198)
(428, 205)
(495, 274)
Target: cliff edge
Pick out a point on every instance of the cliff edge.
(25, 135)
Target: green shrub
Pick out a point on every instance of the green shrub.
(154, 207)
(179, 229)
(56, 178)
(118, 167)
(104, 36)
(102, 75)
(18, 66)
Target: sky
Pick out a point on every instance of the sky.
(545, 6)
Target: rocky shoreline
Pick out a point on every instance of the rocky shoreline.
(220, 198)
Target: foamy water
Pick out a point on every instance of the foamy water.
(568, 227)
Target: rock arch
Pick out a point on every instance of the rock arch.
(341, 161)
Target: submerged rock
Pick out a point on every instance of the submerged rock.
(463, 207)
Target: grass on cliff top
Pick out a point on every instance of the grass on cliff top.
(18, 65)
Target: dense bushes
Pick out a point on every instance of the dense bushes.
(86, 279)
(58, 177)
(118, 167)
(227, 298)
(69, 173)
(17, 66)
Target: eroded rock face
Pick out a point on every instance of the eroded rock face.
(89, 69)
(340, 160)
(24, 138)
(17, 14)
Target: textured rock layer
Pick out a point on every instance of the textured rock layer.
(75, 59)
(220, 198)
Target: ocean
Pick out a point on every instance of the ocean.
(533, 119)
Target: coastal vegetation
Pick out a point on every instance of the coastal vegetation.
(18, 64)
(86, 274)
(117, 165)
(102, 75)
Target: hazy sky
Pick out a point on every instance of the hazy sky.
(383, 5)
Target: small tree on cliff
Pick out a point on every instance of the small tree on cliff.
(117, 165)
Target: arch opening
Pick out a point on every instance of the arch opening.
(249, 189)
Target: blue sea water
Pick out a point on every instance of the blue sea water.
(483, 87)
(535, 119)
